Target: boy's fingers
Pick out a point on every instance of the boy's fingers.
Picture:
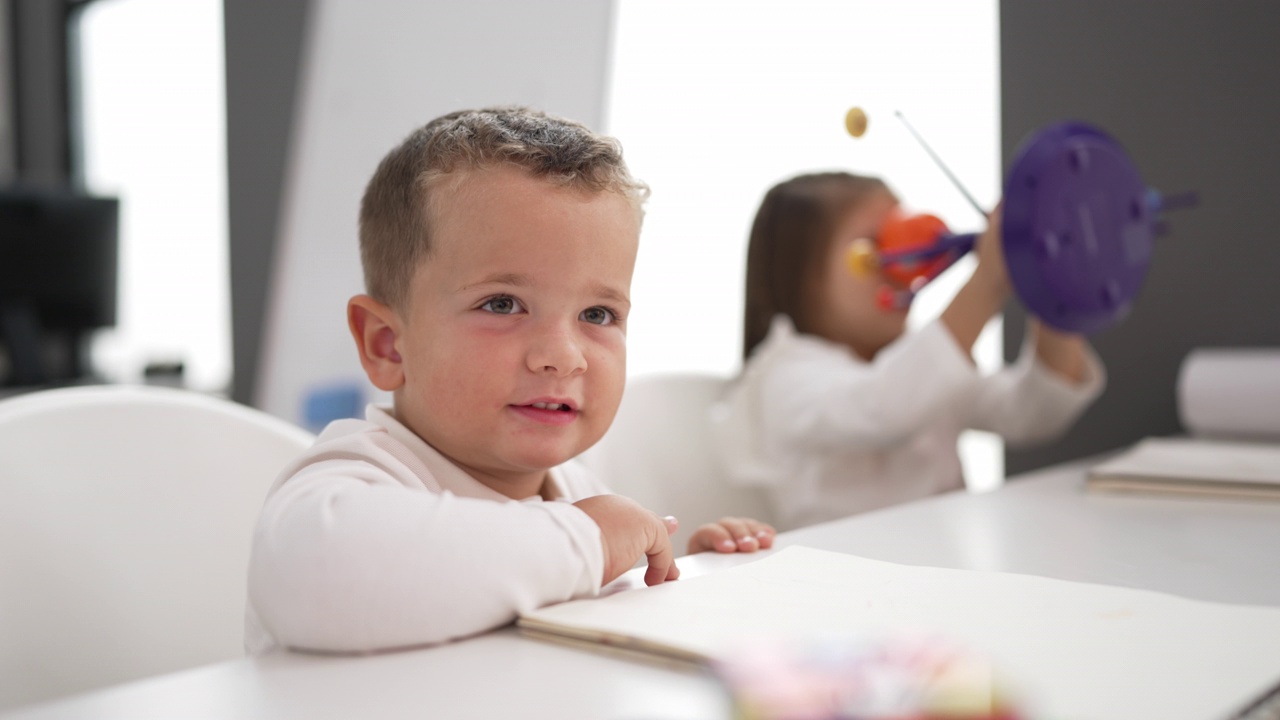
(661, 565)
(712, 537)
(763, 533)
(661, 559)
(672, 524)
(742, 534)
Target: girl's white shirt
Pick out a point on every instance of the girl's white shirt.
(830, 434)
(373, 540)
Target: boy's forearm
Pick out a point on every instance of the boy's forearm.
(377, 568)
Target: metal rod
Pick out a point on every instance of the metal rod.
(941, 165)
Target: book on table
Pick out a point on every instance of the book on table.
(1073, 650)
(1192, 467)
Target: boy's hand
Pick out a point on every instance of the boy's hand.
(732, 535)
(628, 531)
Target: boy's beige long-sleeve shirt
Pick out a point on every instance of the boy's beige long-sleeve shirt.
(374, 540)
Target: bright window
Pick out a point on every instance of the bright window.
(153, 132)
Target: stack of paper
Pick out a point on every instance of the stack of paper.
(1066, 650)
(1191, 467)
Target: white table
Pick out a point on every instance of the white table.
(1042, 523)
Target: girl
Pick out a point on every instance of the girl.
(838, 410)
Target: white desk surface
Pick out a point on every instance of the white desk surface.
(1041, 523)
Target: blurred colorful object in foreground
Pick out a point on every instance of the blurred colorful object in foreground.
(895, 679)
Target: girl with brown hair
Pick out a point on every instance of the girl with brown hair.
(839, 409)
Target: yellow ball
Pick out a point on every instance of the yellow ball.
(862, 260)
(855, 121)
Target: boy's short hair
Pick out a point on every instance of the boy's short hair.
(395, 228)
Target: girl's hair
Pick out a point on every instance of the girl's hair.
(790, 237)
(395, 214)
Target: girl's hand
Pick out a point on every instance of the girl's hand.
(732, 534)
(991, 269)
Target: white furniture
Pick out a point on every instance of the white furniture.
(657, 453)
(1042, 524)
(126, 516)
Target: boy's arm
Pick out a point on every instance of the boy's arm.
(346, 559)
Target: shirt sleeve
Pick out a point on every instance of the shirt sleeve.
(1027, 403)
(826, 401)
(347, 558)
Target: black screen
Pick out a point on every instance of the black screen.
(58, 259)
(58, 254)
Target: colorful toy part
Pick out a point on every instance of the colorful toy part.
(909, 252)
(1077, 232)
(855, 122)
(1078, 227)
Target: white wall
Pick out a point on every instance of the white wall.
(715, 101)
(373, 71)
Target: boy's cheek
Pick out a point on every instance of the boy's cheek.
(608, 362)
(611, 339)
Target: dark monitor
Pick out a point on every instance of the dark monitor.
(58, 260)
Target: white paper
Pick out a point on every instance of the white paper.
(1225, 392)
(1212, 461)
(1067, 650)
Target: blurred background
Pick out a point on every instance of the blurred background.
(235, 138)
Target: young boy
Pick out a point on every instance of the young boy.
(498, 247)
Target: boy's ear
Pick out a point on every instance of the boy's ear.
(375, 327)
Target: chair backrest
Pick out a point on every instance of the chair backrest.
(658, 451)
(126, 516)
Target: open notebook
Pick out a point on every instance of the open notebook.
(1068, 650)
(1193, 467)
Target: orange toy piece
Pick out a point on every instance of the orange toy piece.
(901, 233)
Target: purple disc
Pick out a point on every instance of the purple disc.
(1077, 231)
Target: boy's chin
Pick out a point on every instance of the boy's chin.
(543, 456)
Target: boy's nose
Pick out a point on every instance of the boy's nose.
(557, 352)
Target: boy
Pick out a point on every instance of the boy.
(498, 247)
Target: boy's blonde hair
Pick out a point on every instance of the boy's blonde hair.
(395, 214)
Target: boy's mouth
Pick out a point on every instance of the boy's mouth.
(562, 407)
(548, 412)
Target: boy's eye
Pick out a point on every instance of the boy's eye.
(502, 305)
(598, 316)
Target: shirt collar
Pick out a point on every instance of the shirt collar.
(449, 476)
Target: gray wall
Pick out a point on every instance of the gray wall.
(264, 49)
(1190, 89)
(38, 153)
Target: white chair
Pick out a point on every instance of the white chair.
(658, 452)
(126, 516)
